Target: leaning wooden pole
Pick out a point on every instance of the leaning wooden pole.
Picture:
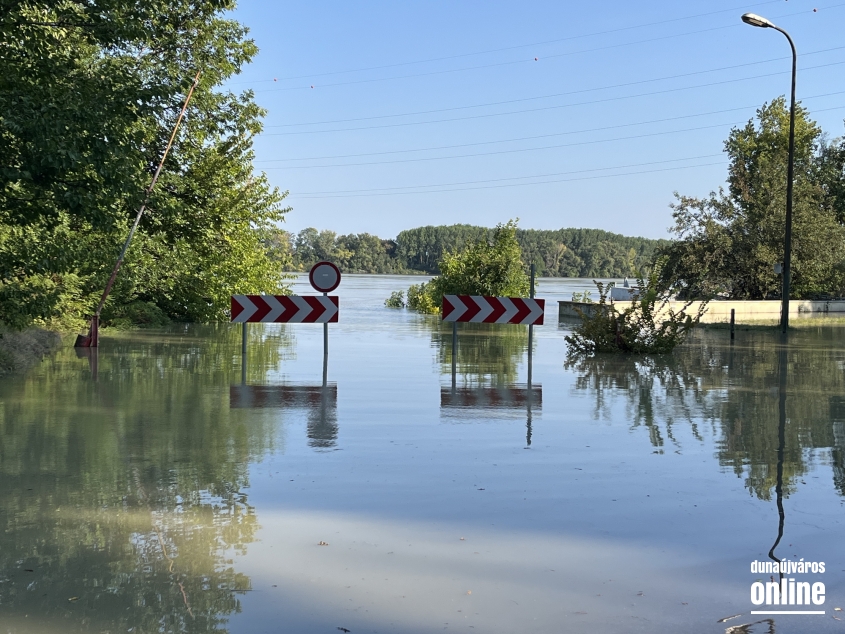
(92, 340)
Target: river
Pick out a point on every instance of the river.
(152, 489)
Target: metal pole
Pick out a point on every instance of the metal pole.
(790, 177)
(733, 319)
(531, 334)
(325, 350)
(454, 354)
(243, 355)
(94, 335)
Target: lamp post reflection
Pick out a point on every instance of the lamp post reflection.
(782, 376)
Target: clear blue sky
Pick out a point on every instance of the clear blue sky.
(437, 112)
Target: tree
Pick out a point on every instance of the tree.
(483, 267)
(645, 325)
(730, 241)
(88, 96)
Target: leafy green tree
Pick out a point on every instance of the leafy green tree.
(483, 267)
(367, 254)
(88, 95)
(729, 242)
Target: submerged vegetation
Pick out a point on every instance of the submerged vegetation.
(483, 266)
(647, 324)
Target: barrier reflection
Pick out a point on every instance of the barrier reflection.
(318, 401)
(483, 370)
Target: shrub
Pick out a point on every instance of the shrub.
(420, 298)
(137, 313)
(396, 300)
(646, 325)
(491, 267)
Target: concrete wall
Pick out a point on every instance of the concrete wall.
(746, 311)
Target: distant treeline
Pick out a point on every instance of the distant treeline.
(556, 253)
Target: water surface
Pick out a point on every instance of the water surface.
(162, 493)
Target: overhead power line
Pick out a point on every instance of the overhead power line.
(531, 138)
(512, 178)
(553, 95)
(555, 107)
(512, 151)
(514, 47)
(528, 61)
(519, 150)
(562, 180)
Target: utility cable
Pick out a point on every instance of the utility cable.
(563, 180)
(531, 138)
(511, 178)
(553, 95)
(510, 48)
(527, 61)
(556, 107)
(517, 150)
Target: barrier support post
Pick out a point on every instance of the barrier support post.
(531, 335)
(243, 354)
(454, 355)
(325, 350)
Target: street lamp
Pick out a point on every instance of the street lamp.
(756, 20)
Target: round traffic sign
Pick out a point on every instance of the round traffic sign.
(324, 277)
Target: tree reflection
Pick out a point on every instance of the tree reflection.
(734, 391)
(121, 502)
(488, 354)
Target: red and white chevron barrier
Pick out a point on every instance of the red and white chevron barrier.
(289, 309)
(493, 310)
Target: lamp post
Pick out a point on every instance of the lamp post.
(756, 20)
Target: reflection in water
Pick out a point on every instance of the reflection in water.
(782, 382)
(739, 393)
(319, 401)
(488, 354)
(507, 397)
(487, 361)
(120, 499)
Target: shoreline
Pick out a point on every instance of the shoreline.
(19, 351)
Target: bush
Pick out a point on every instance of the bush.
(420, 298)
(646, 325)
(484, 267)
(582, 298)
(137, 313)
(396, 300)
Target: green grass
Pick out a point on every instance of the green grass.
(796, 323)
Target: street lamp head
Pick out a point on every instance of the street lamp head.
(756, 20)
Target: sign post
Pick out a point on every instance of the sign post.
(491, 310)
(292, 309)
(324, 277)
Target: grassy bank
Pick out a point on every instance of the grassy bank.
(798, 323)
(21, 350)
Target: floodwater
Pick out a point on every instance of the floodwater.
(156, 491)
